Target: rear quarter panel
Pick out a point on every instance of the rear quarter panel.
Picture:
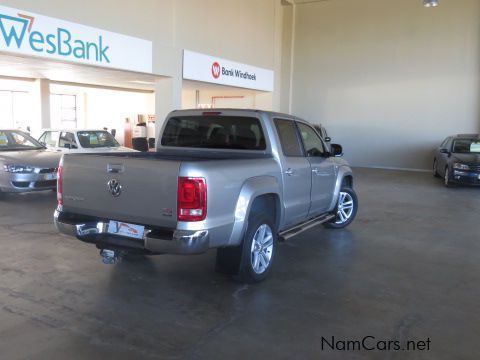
(225, 180)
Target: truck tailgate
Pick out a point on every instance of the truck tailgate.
(148, 193)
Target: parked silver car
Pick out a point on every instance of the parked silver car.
(25, 164)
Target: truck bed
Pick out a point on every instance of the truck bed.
(186, 155)
(148, 182)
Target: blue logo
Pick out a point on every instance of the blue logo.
(61, 42)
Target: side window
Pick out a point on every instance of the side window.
(41, 139)
(288, 138)
(67, 140)
(49, 138)
(448, 145)
(311, 141)
(444, 143)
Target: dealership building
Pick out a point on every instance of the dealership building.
(298, 244)
(388, 79)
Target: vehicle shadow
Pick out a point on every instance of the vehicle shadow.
(177, 306)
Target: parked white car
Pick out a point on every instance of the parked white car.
(80, 141)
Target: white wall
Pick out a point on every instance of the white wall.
(239, 30)
(389, 79)
(227, 97)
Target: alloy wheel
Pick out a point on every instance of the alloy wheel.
(262, 249)
(345, 208)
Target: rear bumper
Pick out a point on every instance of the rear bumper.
(96, 232)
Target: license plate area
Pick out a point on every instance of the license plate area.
(126, 229)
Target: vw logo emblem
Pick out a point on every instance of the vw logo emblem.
(114, 188)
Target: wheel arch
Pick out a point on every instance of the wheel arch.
(267, 203)
(259, 194)
(344, 175)
(348, 181)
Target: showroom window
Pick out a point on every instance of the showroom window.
(15, 109)
(63, 109)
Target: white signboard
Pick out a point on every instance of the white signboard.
(215, 70)
(26, 33)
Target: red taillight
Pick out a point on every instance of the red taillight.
(192, 199)
(60, 185)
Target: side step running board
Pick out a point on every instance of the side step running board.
(287, 234)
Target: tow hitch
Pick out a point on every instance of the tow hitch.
(111, 257)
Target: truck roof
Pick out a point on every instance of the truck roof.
(247, 111)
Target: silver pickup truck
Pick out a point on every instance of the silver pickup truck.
(234, 180)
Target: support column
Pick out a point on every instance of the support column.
(44, 102)
(168, 97)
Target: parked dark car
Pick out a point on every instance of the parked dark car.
(457, 160)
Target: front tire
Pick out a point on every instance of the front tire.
(446, 178)
(347, 207)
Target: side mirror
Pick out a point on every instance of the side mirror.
(444, 151)
(336, 150)
(67, 146)
(328, 139)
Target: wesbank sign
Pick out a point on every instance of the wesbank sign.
(31, 34)
(210, 69)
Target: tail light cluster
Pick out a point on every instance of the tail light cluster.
(192, 199)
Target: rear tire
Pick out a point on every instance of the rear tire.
(435, 170)
(259, 248)
(346, 210)
(252, 260)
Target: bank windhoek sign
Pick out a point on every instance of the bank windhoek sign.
(26, 33)
(216, 70)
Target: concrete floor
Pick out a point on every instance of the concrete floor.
(407, 269)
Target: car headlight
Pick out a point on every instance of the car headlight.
(460, 166)
(18, 169)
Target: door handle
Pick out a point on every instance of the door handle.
(289, 172)
(316, 171)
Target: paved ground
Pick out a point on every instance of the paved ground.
(407, 269)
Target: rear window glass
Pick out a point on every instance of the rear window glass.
(214, 132)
